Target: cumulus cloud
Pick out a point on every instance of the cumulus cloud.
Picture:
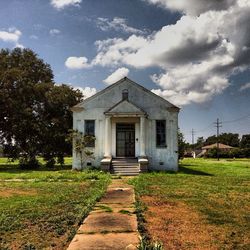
(117, 24)
(61, 4)
(54, 32)
(182, 98)
(197, 55)
(245, 86)
(12, 35)
(87, 91)
(116, 51)
(194, 7)
(116, 76)
(77, 62)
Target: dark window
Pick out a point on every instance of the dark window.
(90, 130)
(125, 94)
(161, 133)
(89, 127)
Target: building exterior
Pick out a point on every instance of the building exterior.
(129, 121)
(221, 146)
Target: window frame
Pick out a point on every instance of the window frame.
(86, 133)
(125, 94)
(162, 133)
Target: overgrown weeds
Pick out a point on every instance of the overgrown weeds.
(216, 192)
(50, 216)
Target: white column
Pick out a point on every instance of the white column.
(107, 142)
(142, 136)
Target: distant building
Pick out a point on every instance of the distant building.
(222, 147)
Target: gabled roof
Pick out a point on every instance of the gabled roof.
(168, 104)
(125, 107)
(222, 146)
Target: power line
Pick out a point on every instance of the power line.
(204, 129)
(238, 119)
(218, 124)
(229, 121)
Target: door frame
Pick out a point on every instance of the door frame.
(116, 138)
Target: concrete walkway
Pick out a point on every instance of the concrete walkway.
(112, 224)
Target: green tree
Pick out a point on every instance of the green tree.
(200, 143)
(225, 138)
(58, 119)
(80, 145)
(211, 140)
(245, 141)
(181, 144)
(34, 112)
(230, 139)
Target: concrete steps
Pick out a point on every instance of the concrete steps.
(125, 166)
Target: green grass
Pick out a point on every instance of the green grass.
(105, 208)
(47, 175)
(123, 211)
(5, 162)
(219, 191)
(10, 170)
(43, 209)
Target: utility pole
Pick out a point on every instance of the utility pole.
(193, 133)
(218, 126)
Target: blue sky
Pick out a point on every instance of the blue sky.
(194, 54)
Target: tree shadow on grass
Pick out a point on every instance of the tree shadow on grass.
(192, 171)
(15, 169)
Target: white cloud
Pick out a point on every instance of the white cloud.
(197, 55)
(245, 86)
(87, 91)
(116, 76)
(182, 98)
(172, 45)
(54, 32)
(194, 7)
(60, 4)
(77, 63)
(119, 51)
(117, 24)
(12, 35)
(18, 45)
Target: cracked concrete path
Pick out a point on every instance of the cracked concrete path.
(112, 224)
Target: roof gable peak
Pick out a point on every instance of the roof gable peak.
(126, 79)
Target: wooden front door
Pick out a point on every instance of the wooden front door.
(125, 140)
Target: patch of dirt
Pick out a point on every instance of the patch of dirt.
(8, 192)
(36, 235)
(178, 226)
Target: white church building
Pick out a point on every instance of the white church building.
(135, 129)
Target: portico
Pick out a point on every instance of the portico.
(124, 132)
(113, 128)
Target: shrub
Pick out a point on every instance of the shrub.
(50, 163)
(232, 153)
(28, 163)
